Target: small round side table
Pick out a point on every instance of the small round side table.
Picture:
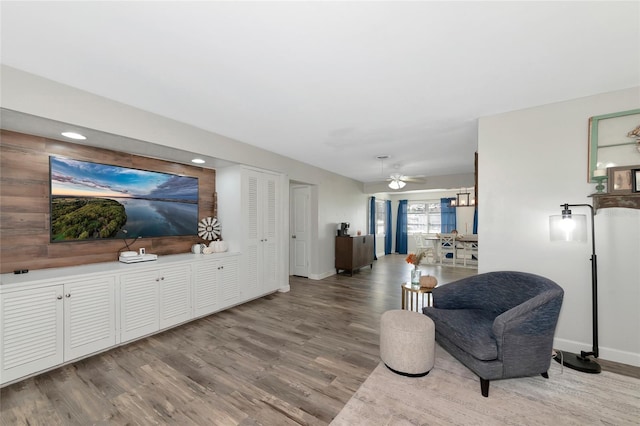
(417, 295)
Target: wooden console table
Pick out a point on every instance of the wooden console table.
(354, 252)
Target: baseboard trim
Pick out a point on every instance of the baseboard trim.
(605, 353)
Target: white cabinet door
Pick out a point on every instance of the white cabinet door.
(154, 299)
(216, 285)
(175, 295)
(205, 287)
(228, 282)
(89, 316)
(139, 301)
(31, 326)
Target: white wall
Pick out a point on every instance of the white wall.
(339, 200)
(530, 162)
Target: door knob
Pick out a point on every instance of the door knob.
(293, 236)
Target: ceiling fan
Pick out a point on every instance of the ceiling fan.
(397, 180)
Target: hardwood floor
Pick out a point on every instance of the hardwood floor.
(285, 359)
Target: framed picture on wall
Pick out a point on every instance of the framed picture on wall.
(612, 140)
(621, 179)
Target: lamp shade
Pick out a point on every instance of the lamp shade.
(571, 227)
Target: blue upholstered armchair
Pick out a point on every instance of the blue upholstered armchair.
(498, 324)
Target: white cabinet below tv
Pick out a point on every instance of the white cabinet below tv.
(45, 326)
(155, 299)
(89, 316)
(54, 316)
(32, 322)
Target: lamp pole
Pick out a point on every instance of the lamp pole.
(582, 362)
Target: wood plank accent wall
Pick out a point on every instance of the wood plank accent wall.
(24, 204)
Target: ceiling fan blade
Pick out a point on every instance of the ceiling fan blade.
(413, 179)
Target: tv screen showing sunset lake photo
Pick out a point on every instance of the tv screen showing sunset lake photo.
(98, 201)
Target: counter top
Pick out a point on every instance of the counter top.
(52, 274)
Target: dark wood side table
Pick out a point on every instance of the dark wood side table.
(353, 253)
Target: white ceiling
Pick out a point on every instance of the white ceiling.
(333, 84)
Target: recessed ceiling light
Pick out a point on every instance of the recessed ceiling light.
(73, 135)
(198, 161)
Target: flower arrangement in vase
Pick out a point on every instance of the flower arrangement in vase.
(415, 259)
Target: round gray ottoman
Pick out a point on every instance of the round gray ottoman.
(407, 342)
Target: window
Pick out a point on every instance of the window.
(381, 217)
(423, 217)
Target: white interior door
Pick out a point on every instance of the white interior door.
(300, 218)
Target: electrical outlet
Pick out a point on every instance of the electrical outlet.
(142, 251)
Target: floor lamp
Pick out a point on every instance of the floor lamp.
(572, 227)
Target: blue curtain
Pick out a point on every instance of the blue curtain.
(387, 231)
(401, 228)
(447, 215)
(475, 220)
(372, 224)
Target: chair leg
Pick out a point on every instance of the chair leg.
(484, 387)
(545, 374)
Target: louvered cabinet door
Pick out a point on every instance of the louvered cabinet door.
(139, 299)
(205, 287)
(31, 326)
(89, 317)
(228, 281)
(175, 295)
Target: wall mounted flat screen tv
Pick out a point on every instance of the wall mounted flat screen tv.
(92, 201)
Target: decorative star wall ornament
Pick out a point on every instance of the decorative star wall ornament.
(209, 229)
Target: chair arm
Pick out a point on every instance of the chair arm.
(533, 322)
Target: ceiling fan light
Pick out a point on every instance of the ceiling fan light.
(396, 184)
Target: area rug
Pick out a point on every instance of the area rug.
(450, 395)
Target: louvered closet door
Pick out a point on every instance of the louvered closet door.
(175, 295)
(31, 330)
(89, 317)
(270, 244)
(252, 249)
